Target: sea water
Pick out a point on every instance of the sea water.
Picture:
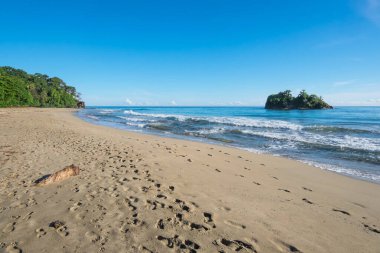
(345, 140)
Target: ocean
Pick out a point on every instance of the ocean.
(345, 140)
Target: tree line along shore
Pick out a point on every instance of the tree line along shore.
(19, 88)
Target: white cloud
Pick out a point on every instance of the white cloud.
(173, 102)
(236, 103)
(374, 100)
(353, 98)
(343, 83)
(128, 101)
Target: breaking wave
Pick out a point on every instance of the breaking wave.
(346, 141)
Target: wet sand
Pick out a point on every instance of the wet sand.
(143, 193)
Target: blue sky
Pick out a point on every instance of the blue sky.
(205, 52)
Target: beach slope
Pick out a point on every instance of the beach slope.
(142, 193)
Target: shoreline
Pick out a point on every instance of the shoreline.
(321, 166)
(145, 193)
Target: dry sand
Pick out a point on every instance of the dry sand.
(141, 193)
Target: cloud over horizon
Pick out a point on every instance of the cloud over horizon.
(128, 101)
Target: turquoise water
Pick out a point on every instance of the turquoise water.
(345, 140)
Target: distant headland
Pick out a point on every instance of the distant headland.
(285, 101)
(18, 88)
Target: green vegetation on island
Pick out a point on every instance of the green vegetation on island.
(18, 88)
(285, 101)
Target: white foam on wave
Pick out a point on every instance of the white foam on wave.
(345, 171)
(349, 172)
(359, 143)
(135, 122)
(289, 133)
(235, 121)
(259, 123)
(158, 115)
(92, 117)
(107, 111)
(133, 113)
(207, 131)
(253, 150)
(332, 129)
(136, 119)
(140, 125)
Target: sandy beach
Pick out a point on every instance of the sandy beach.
(142, 193)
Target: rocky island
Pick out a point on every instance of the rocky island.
(18, 88)
(285, 101)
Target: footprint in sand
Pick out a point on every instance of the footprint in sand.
(13, 249)
(92, 236)
(307, 201)
(179, 244)
(234, 224)
(81, 215)
(89, 197)
(179, 220)
(154, 204)
(135, 222)
(372, 229)
(341, 211)
(307, 189)
(144, 189)
(235, 245)
(182, 205)
(357, 204)
(161, 196)
(75, 207)
(285, 190)
(199, 227)
(62, 231)
(124, 228)
(290, 247)
(9, 227)
(28, 216)
(224, 208)
(160, 224)
(207, 217)
(40, 232)
(60, 227)
(130, 205)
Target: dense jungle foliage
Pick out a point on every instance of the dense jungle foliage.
(285, 101)
(18, 88)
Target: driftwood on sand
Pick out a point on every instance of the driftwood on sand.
(57, 176)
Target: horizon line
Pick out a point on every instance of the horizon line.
(214, 106)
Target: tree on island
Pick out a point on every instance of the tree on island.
(285, 101)
(18, 88)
